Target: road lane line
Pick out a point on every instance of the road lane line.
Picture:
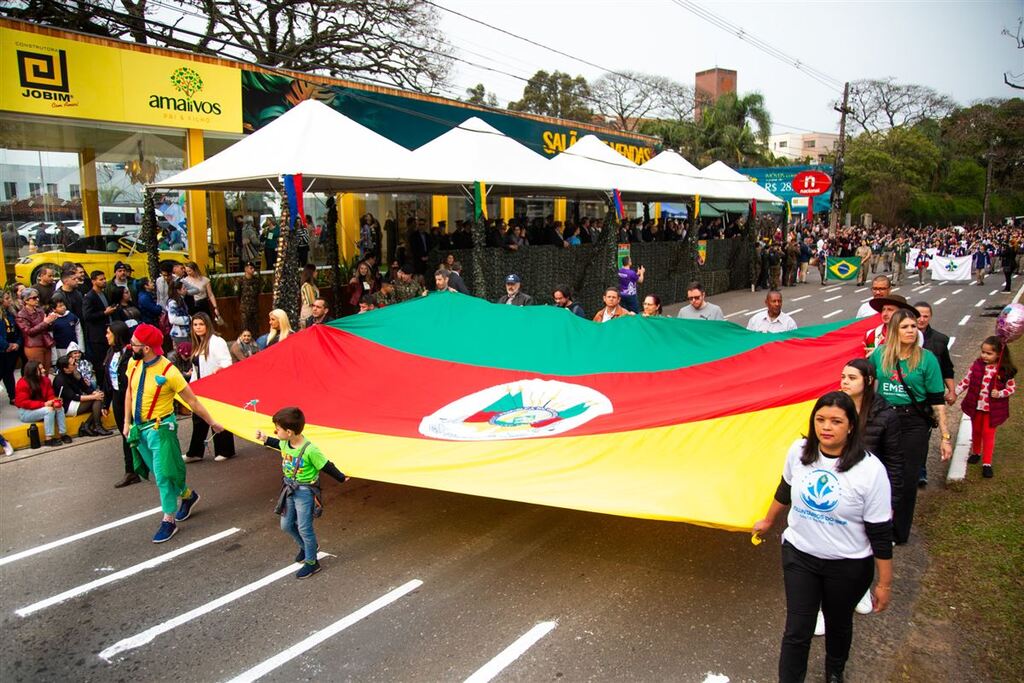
(736, 313)
(829, 315)
(979, 304)
(926, 289)
(511, 653)
(958, 464)
(833, 298)
(917, 288)
(994, 291)
(263, 668)
(895, 289)
(939, 301)
(832, 289)
(76, 537)
(963, 320)
(123, 574)
(801, 298)
(858, 291)
(952, 340)
(148, 635)
(794, 312)
(956, 291)
(752, 313)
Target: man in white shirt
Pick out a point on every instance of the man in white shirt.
(699, 308)
(881, 287)
(772, 319)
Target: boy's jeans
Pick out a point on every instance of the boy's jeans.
(297, 521)
(48, 416)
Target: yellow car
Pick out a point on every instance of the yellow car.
(97, 252)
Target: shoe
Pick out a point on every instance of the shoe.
(52, 442)
(191, 458)
(302, 553)
(164, 533)
(986, 471)
(819, 625)
(865, 605)
(308, 570)
(65, 438)
(922, 483)
(8, 448)
(185, 510)
(129, 479)
(85, 431)
(833, 677)
(973, 459)
(101, 431)
(222, 458)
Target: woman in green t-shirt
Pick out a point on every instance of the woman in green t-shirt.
(901, 364)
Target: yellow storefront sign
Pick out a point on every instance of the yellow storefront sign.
(59, 77)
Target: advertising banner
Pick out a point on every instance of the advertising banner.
(58, 77)
(779, 181)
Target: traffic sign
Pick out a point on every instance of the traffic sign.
(811, 183)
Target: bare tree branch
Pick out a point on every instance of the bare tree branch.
(880, 104)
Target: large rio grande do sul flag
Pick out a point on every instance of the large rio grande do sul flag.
(842, 267)
(951, 268)
(646, 417)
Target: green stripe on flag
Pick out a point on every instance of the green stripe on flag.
(842, 267)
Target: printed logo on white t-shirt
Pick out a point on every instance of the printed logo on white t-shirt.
(821, 493)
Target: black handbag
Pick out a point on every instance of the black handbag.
(927, 412)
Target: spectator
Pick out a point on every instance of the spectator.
(79, 398)
(455, 280)
(628, 282)
(244, 347)
(442, 279)
(149, 310)
(35, 400)
(36, 328)
(10, 344)
(280, 328)
(67, 329)
(318, 313)
(46, 286)
(367, 303)
(271, 233)
(199, 288)
(250, 240)
(699, 308)
(209, 355)
(612, 308)
(405, 286)
(308, 292)
(68, 289)
(177, 314)
(563, 299)
(513, 296)
(652, 306)
(96, 310)
(121, 281)
(82, 365)
(772, 319)
(113, 381)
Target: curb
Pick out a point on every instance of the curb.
(958, 464)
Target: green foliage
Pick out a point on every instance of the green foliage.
(478, 95)
(964, 177)
(149, 237)
(556, 94)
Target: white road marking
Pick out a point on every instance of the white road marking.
(926, 289)
(858, 291)
(917, 288)
(794, 312)
(833, 298)
(979, 304)
(801, 298)
(736, 313)
(752, 313)
(864, 301)
(77, 537)
(148, 635)
(124, 573)
(939, 301)
(994, 291)
(511, 653)
(963, 320)
(952, 340)
(896, 289)
(956, 291)
(715, 678)
(832, 289)
(829, 315)
(958, 463)
(320, 636)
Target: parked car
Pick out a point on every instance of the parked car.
(97, 252)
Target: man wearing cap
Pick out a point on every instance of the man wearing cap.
(151, 426)
(405, 286)
(880, 287)
(887, 306)
(513, 296)
(119, 282)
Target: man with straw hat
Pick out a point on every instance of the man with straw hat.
(887, 305)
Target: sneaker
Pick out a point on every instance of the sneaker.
(986, 471)
(865, 605)
(101, 431)
(191, 458)
(973, 459)
(308, 570)
(65, 438)
(164, 533)
(819, 625)
(922, 482)
(185, 510)
(8, 448)
(221, 458)
(302, 553)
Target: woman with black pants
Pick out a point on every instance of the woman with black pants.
(900, 364)
(114, 381)
(838, 533)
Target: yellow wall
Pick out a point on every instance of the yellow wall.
(219, 225)
(196, 203)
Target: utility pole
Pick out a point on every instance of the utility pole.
(837, 170)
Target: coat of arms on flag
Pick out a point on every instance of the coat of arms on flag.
(702, 251)
(843, 267)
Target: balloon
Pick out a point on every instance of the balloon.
(1010, 323)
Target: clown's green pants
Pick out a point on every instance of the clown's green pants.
(156, 449)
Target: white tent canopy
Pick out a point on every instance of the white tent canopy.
(672, 162)
(311, 139)
(725, 183)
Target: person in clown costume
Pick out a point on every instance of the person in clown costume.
(151, 426)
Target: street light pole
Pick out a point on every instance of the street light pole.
(837, 171)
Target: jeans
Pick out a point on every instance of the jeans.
(48, 416)
(297, 521)
(836, 586)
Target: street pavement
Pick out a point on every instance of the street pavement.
(417, 585)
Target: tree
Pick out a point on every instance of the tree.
(879, 104)
(885, 170)
(478, 95)
(556, 94)
(395, 40)
(630, 97)
(1018, 37)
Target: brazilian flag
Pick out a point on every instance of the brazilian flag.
(842, 267)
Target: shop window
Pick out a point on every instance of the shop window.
(51, 189)
(809, 144)
(10, 190)
(35, 189)
(782, 144)
(75, 191)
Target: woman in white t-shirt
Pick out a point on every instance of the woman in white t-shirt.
(838, 533)
(210, 354)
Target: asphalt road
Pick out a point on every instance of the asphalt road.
(601, 598)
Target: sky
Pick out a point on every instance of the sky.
(954, 47)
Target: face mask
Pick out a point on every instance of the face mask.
(138, 355)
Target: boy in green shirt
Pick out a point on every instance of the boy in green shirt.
(301, 463)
